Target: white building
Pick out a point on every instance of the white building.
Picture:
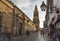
(53, 13)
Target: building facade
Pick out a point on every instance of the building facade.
(52, 13)
(13, 20)
(57, 14)
(52, 17)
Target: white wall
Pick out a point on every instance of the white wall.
(57, 4)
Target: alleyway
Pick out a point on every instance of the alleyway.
(32, 37)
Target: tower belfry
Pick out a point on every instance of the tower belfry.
(36, 18)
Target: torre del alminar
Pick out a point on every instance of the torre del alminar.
(36, 18)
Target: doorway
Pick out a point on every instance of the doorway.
(20, 28)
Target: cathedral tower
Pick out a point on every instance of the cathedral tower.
(36, 18)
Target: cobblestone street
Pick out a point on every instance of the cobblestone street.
(32, 37)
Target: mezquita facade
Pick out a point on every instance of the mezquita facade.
(13, 20)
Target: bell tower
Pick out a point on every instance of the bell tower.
(36, 18)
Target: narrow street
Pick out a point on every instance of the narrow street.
(36, 36)
(32, 37)
(23, 20)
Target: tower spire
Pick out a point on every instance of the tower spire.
(36, 9)
(36, 18)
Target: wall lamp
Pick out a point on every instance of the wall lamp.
(44, 7)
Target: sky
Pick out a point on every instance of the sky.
(27, 6)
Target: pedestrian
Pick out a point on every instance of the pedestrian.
(58, 34)
(1, 36)
(7, 34)
(43, 33)
(54, 36)
(28, 33)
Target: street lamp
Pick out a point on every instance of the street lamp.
(44, 7)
